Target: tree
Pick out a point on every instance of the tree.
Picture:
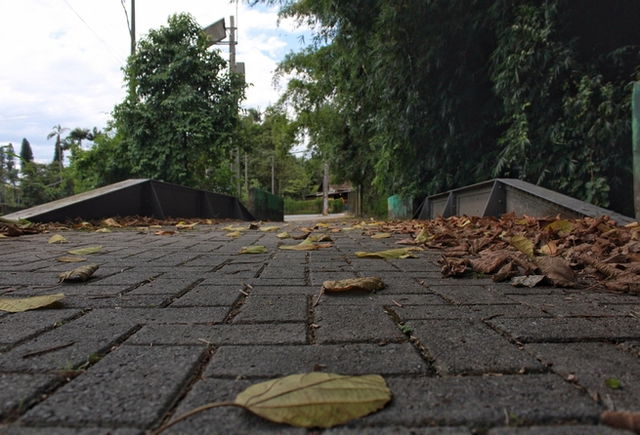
(26, 154)
(177, 125)
(58, 155)
(435, 95)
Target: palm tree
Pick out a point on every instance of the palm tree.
(57, 133)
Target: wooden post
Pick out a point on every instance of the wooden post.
(635, 128)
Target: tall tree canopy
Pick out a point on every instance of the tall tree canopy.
(437, 94)
(178, 122)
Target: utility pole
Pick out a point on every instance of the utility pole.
(133, 27)
(246, 174)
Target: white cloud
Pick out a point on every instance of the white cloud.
(62, 59)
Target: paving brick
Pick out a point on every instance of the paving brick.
(68, 346)
(318, 278)
(448, 311)
(469, 347)
(129, 278)
(18, 391)
(558, 430)
(352, 359)
(260, 288)
(273, 308)
(22, 430)
(567, 305)
(283, 272)
(567, 328)
(483, 401)
(285, 333)
(354, 323)
(398, 430)
(116, 301)
(593, 364)
(180, 315)
(164, 286)
(284, 282)
(113, 390)
(209, 296)
(19, 326)
(469, 294)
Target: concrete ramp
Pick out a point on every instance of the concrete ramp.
(142, 197)
(504, 195)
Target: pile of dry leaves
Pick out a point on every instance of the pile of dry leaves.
(526, 250)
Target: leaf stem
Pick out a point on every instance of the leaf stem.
(193, 412)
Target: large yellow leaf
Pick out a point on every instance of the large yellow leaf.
(111, 222)
(86, 251)
(315, 399)
(15, 305)
(390, 253)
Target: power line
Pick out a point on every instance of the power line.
(93, 31)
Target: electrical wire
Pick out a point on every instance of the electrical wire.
(126, 14)
(111, 50)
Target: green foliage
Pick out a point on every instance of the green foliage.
(178, 125)
(416, 97)
(26, 154)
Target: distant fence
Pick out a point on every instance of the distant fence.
(311, 206)
(265, 206)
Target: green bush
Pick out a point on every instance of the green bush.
(311, 206)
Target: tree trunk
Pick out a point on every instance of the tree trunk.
(325, 190)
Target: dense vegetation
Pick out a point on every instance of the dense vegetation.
(432, 95)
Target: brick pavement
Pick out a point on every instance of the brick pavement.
(169, 323)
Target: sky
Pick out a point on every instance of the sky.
(62, 59)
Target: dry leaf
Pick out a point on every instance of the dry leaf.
(308, 400)
(82, 273)
(561, 227)
(381, 236)
(527, 281)
(234, 234)
(111, 222)
(185, 226)
(71, 259)
(550, 248)
(269, 229)
(164, 233)
(103, 230)
(452, 266)
(283, 235)
(86, 251)
(557, 269)
(57, 238)
(390, 253)
(16, 305)
(490, 261)
(301, 247)
(423, 236)
(522, 244)
(625, 420)
(257, 249)
(506, 272)
(316, 399)
(370, 284)
(234, 229)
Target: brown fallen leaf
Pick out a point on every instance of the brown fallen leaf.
(86, 251)
(370, 284)
(164, 233)
(234, 234)
(315, 399)
(16, 305)
(626, 283)
(453, 266)
(490, 261)
(256, 249)
(506, 272)
(390, 253)
(82, 273)
(111, 222)
(625, 420)
(185, 226)
(557, 269)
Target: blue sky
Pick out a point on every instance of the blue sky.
(62, 59)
